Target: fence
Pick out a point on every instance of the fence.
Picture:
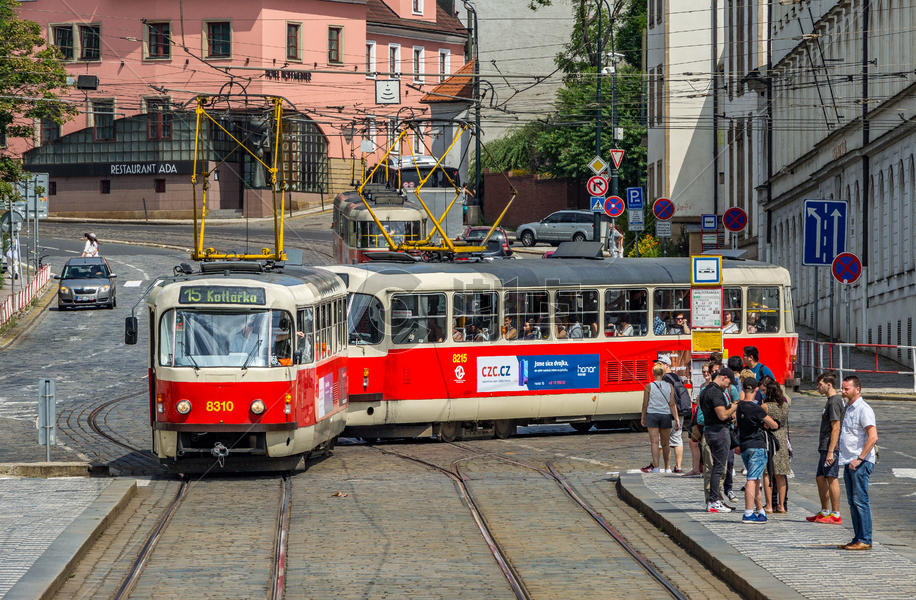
(16, 302)
(818, 357)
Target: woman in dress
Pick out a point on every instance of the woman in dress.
(777, 406)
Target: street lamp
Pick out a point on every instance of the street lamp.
(612, 14)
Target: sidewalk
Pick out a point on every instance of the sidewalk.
(787, 557)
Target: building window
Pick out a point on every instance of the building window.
(159, 40)
(394, 61)
(444, 66)
(659, 10)
(416, 7)
(90, 42)
(160, 186)
(292, 41)
(418, 60)
(370, 60)
(50, 131)
(159, 119)
(334, 37)
(105, 186)
(660, 94)
(52, 188)
(103, 120)
(219, 39)
(63, 39)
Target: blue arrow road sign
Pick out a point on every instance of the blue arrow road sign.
(597, 203)
(825, 231)
(634, 198)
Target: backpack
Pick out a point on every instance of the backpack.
(681, 395)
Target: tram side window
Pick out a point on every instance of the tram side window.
(762, 309)
(341, 324)
(475, 317)
(366, 319)
(671, 313)
(529, 314)
(788, 315)
(625, 312)
(731, 315)
(306, 333)
(281, 341)
(577, 314)
(418, 318)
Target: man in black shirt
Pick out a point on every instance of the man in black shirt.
(751, 419)
(828, 464)
(713, 403)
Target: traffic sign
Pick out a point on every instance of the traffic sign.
(735, 219)
(662, 229)
(825, 231)
(634, 198)
(709, 222)
(663, 209)
(846, 267)
(11, 224)
(613, 206)
(598, 165)
(597, 186)
(636, 220)
(617, 157)
(597, 203)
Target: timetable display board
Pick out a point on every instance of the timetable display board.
(706, 308)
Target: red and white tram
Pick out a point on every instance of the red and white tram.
(247, 366)
(441, 349)
(356, 234)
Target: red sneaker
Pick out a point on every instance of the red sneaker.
(814, 518)
(826, 519)
(834, 520)
(647, 469)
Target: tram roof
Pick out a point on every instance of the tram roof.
(569, 272)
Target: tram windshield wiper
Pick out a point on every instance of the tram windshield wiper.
(251, 354)
(193, 361)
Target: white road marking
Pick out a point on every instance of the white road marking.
(133, 283)
(904, 454)
(127, 264)
(909, 473)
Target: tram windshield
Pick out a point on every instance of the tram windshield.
(201, 338)
(370, 236)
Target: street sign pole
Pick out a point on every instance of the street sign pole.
(817, 298)
(47, 415)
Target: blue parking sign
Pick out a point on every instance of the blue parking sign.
(634, 198)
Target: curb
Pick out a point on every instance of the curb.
(31, 317)
(742, 574)
(53, 469)
(51, 570)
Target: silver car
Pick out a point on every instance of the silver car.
(86, 282)
(561, 226)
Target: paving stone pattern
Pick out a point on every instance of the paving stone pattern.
(802, 555)
(35, 512)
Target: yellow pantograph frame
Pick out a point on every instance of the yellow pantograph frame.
(201, 253)
(425, 244)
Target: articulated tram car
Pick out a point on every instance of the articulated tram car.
(247, 367)
(443, 349)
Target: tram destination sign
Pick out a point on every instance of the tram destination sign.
(221, 294)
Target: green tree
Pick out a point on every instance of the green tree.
(31, 77)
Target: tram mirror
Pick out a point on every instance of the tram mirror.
(130, 331)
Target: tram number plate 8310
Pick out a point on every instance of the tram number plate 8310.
(220, 406)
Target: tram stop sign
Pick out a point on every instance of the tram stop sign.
(846, 267)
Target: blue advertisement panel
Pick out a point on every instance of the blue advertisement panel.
(529, 373)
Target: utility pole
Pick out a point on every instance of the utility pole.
(596, 224)
(475, 41)
(596, 228)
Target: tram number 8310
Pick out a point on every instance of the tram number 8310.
(220, 406)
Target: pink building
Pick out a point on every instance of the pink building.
(140, 67)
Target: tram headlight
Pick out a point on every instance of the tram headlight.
(183, 407)
(257, 406)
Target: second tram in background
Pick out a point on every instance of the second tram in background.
(357, 236)
(247, 366)
(451, 349)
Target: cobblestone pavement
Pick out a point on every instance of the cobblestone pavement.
(797, 552)
(27, 528)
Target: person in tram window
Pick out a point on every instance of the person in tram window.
(457, 334)
(729, 326)
(752, 322)
(593, 329)
(562, 333)
(624, 327)
(575, 330)
(509, 330)
(482, 335)
(282, 352)
(529, 332)
(679, 325)
(435, 332)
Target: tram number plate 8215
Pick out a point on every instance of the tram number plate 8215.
(220, 406)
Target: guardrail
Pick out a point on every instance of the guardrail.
(16, 302)
(818, 357)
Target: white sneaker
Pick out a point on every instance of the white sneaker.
(666, 470)
(732, 497)
(717, 507)
(655, 470)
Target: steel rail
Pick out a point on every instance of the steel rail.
(278, 566)
(136, 569)
(557, 477)
(512, 577)
(92, 421)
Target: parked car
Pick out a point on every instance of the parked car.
(86, 282)
(561, 226)
(497, 245)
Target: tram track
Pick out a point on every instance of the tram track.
(155, 565)
(515, 572)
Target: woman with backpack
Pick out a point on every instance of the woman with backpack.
(658, 413)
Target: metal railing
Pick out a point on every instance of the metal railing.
(16, 302)
(815, 357)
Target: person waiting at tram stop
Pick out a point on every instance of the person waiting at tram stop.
(658, 413)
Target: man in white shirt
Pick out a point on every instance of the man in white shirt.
(858, 436)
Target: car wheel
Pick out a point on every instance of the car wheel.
(528, 238)
(61, 307)
(579, 237)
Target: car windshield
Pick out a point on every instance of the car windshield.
(84, 272)
(202, 338)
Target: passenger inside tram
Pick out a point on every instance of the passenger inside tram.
(575, 330)
(510, 332)
(435, 334)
